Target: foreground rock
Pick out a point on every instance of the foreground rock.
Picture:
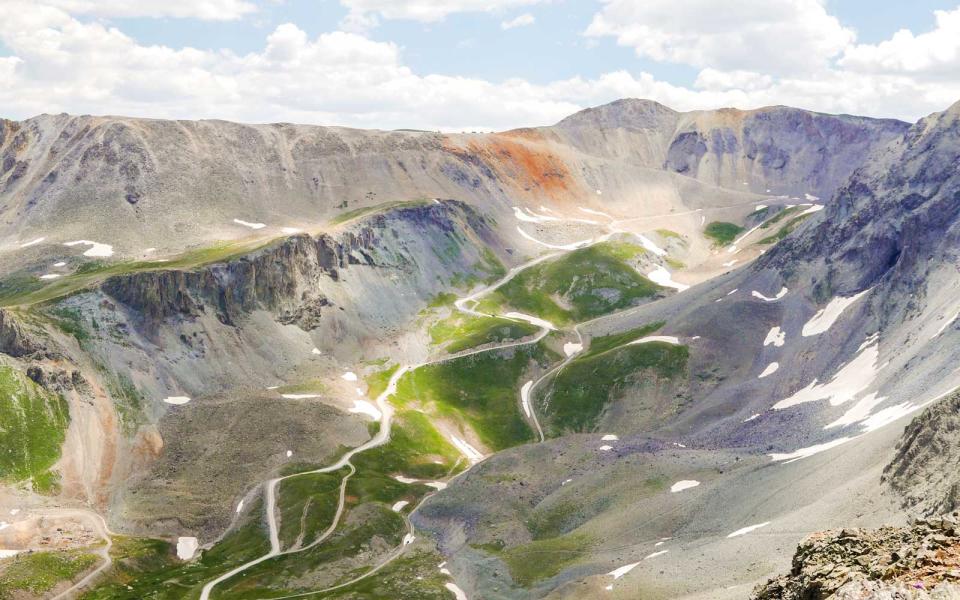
(922, 561)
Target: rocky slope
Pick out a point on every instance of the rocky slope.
(174, 185)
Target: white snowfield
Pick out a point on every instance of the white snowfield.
(398, 506)
(605, 448)
(299, 396)
(770, 370)
(621, 571)
(684, 484)
(516, 316)
(595, 212)
(176, 400)
(828, 315)
(96, 249)
(846, 385)
(751, 417)
(748, 529)
(669, 339)
(32, 242)
(775, 336)
(366, 408)
(525, 398)
(648, 244)
(472, 454)
(780, 294)
(8, 553)
(573, 246)
(730, 263)
(249, 224)
(946, 324)
(349, 376)
(50, 276)
(523, 214)
(661, 276)
(458, 594)
(655, 554)
(571, 348)
(610, 437)
(187, 547)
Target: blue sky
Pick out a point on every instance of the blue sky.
(390, 63)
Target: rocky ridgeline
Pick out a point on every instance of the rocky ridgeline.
(918, 562)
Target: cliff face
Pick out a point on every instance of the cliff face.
(924, 470)
(286, 278)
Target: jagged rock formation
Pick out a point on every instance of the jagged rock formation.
(924, 470)
(918, 562)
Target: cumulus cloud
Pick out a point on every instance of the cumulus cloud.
(521, 21)
(58, 61)
(933, 53)
(211, 10)
(778, 37)
(425, 11)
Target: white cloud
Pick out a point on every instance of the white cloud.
(777, 37)
(934, 53)
(521, 21)
(210, 10)
(61, 63)
(426, 11)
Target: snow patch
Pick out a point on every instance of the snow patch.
(8, 553)
(365, 408)
(661, 276)
(50, 276)
(299, 396)
(571, 348)
(947, 324)
(409, 539)
(751, 417)
(684, 484)
(187, 547)
(848, 383)
(176, 400)
(770, 370)
(239, 506)
(458, 594)
(316, 352)
(650, 246)
(406, 480)
(32, 242)
(249, 224)
(621, 571)
(655, 554)
(398, 506)
(349, 376)
(605, 448)
(523, 214)
(60, 264)
(780, 294)
(516, 316)
(573, 246)
(730, 263)
(525, 398)
(775, 336)
(595, 212)
(290, 230)
(748, 529)
(669, 339)
(289, 453)
(472, 454)
(609, 438)
(828, 315)
(96, 248)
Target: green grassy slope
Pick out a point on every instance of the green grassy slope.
(580, 285)
(33, 425)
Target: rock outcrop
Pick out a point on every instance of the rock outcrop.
(924, 471)
(922, 561)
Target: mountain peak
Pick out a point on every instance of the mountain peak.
(626, 113)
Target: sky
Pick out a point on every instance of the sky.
(468, 65)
